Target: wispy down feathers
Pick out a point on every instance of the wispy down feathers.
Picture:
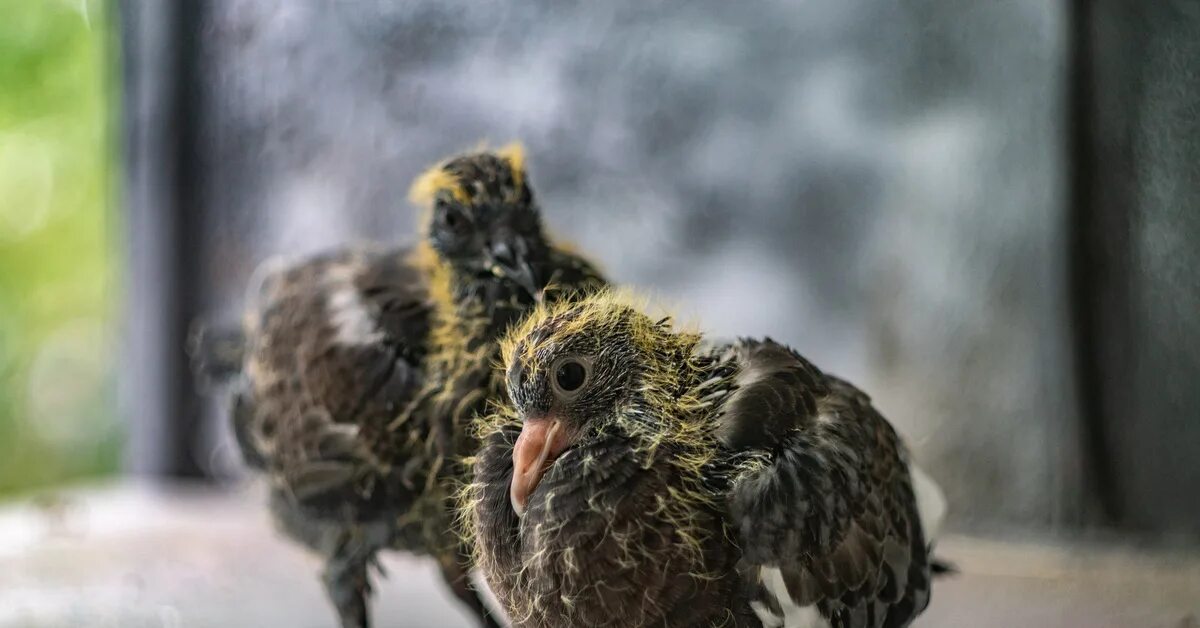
(731, 486)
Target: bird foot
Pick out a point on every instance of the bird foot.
(348, 587)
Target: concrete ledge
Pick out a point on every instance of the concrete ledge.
(134, 554)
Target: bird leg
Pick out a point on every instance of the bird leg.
(460, 584)
(347, 583)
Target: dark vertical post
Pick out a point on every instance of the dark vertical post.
(162, 196)
(1136, 261)
(1096, 259)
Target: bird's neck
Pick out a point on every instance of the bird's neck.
(469, 307)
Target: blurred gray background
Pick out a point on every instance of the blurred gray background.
(982, 213)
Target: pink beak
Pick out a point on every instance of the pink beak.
(541, 442)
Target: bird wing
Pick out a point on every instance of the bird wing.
(824, 508)
(335, 349)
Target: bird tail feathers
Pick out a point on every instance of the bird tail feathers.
(942, 568)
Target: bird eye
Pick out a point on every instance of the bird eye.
(452, 218)
(570, 376)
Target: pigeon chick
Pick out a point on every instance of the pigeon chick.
(640, 479)
(361, 368)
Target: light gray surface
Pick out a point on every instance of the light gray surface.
(133, 556)
(878, 184)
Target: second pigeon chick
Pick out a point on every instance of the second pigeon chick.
(360, 370)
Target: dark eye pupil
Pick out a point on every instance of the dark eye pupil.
(452, 219)
(570, 376)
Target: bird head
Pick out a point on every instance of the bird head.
(577, 371)
(482, 220)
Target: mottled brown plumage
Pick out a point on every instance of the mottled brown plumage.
(639, 478)
(363, 367)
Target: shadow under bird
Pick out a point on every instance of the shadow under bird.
(642, 478)
(358, 371)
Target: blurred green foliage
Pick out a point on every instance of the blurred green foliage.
(58, 416)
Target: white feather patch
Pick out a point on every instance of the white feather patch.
(352, 319)
(768, 619)
(931, 503)
(793, 616)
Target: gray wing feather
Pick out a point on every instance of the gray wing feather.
(826, 500)
(334, 351)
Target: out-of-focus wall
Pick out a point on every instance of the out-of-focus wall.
(879, 184)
